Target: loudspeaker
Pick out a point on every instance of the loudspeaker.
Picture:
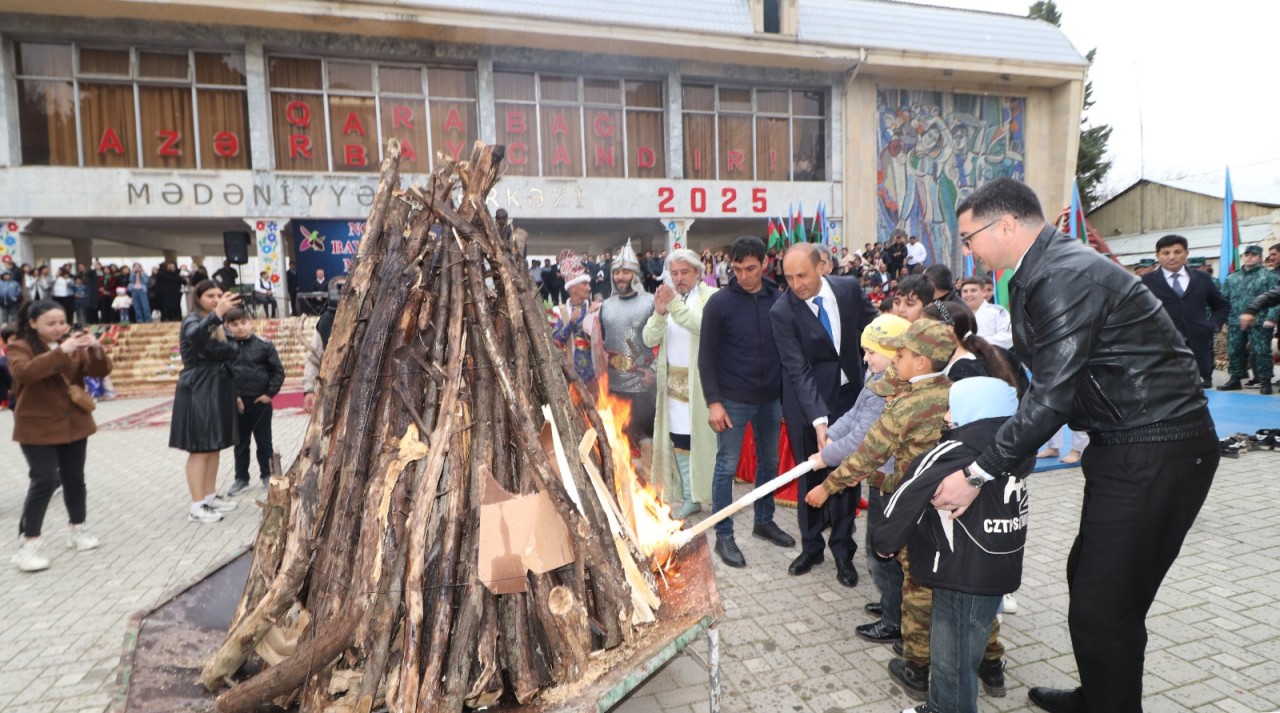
(235, 244)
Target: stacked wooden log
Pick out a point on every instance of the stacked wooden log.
(436, 376)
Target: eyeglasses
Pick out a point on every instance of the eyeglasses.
(964, 239)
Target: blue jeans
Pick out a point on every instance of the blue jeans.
(141, 307)
(887, 574)
(961, 625)
(766, 422)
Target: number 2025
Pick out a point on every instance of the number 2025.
(698, 200)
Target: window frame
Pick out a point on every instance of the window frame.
(756, 114)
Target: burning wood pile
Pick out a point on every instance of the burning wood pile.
(462, 527)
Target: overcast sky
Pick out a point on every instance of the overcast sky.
(1203, 78)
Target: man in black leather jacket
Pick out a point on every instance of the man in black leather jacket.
(1106, 358)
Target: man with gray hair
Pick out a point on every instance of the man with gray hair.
(684, 451)
(620, 344)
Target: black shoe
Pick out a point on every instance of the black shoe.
(873, 608)
(1233, 384)
(729, 552)
(804, 563)
(237, 487)
(897, 647)
(1208, 384)
(1265, 388)
(770, 532)
(879, 632)
(991, 673)
(914, 678)
(1058, 700)
(845, 573)
(1252, 383)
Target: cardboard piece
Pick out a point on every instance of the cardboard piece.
(518, 534)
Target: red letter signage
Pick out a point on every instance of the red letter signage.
(226, 144)
(110, 142)
(298, 113)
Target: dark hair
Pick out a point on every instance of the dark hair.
(915, 285)
(745, 247)
(972, 281)
(235, 314)
(204, 286)
(937, 364)
(940, 276)
(28, 313)
(1169, 241)
(961, 320)
(1003, 195)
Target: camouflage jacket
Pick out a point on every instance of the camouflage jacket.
(911, 424)
(1241, 286)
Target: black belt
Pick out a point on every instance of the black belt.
(1195, 424)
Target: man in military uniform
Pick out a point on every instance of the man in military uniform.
(1240, 288)
(620, 343)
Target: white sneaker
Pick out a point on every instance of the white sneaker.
(29, 558)
(222, 504)
(80, 540)
(1010, 604)
(204, 514)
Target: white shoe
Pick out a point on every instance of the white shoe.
(80, 540)
(222, 504)
(1010, 604)
(204, 514)
(29, 558)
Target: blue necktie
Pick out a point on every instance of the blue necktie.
(1177, 283)
(826, 321)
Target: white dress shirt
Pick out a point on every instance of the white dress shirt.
(833, 313)
(994, 324)
(916, 254)
(1184, 280)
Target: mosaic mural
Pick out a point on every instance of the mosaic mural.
(934, 149)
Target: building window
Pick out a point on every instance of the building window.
(131, 107)
(337, 114)
(571, 126)
(773, 16)
(763, 134)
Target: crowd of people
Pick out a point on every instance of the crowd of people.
(937, 398)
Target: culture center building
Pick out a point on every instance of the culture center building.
(162, 126)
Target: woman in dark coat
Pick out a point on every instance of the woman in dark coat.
(204, 405)
(168, 285)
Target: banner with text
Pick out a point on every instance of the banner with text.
(328, 245)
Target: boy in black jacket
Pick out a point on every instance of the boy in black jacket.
(970, 561)
(259, 376)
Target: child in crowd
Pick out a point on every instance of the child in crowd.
(843, 438)
(259, 376)
(122, 304)
(910, 425)
(81, 303)
(969, 559)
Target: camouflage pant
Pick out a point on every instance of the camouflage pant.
(917, 609)
(1241, 342)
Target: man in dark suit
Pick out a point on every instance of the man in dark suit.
(817, 327)
(1191, 298)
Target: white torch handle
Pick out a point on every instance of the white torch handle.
(683, 537)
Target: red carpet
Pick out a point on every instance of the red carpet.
(286, 404)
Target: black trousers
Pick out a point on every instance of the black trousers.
(255, 422)
(840, 509)
(1139, 502)
(644, 409)
(51, 466)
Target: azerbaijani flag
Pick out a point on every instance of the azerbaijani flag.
(1229, 258)
(775, 238)
(797, 227)
(1001, 279)
(1075, 221)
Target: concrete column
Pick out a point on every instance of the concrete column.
(15, 241)
(270, 239)
(262, 155)
(486, 111)
(835, 147)
(10, 141)
(675, 125)
(82, 249)
(677, 232)
(169, 256)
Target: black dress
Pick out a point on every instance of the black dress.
(204, 405)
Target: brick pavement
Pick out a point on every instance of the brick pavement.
(786, 643)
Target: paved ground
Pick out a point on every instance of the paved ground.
(787, 643)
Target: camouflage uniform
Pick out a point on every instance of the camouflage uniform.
(1240, 287)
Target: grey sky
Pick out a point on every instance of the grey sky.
(1201, 75)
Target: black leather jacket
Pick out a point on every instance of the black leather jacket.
(1104, 355)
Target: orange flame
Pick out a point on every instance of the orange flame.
(648, 518)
